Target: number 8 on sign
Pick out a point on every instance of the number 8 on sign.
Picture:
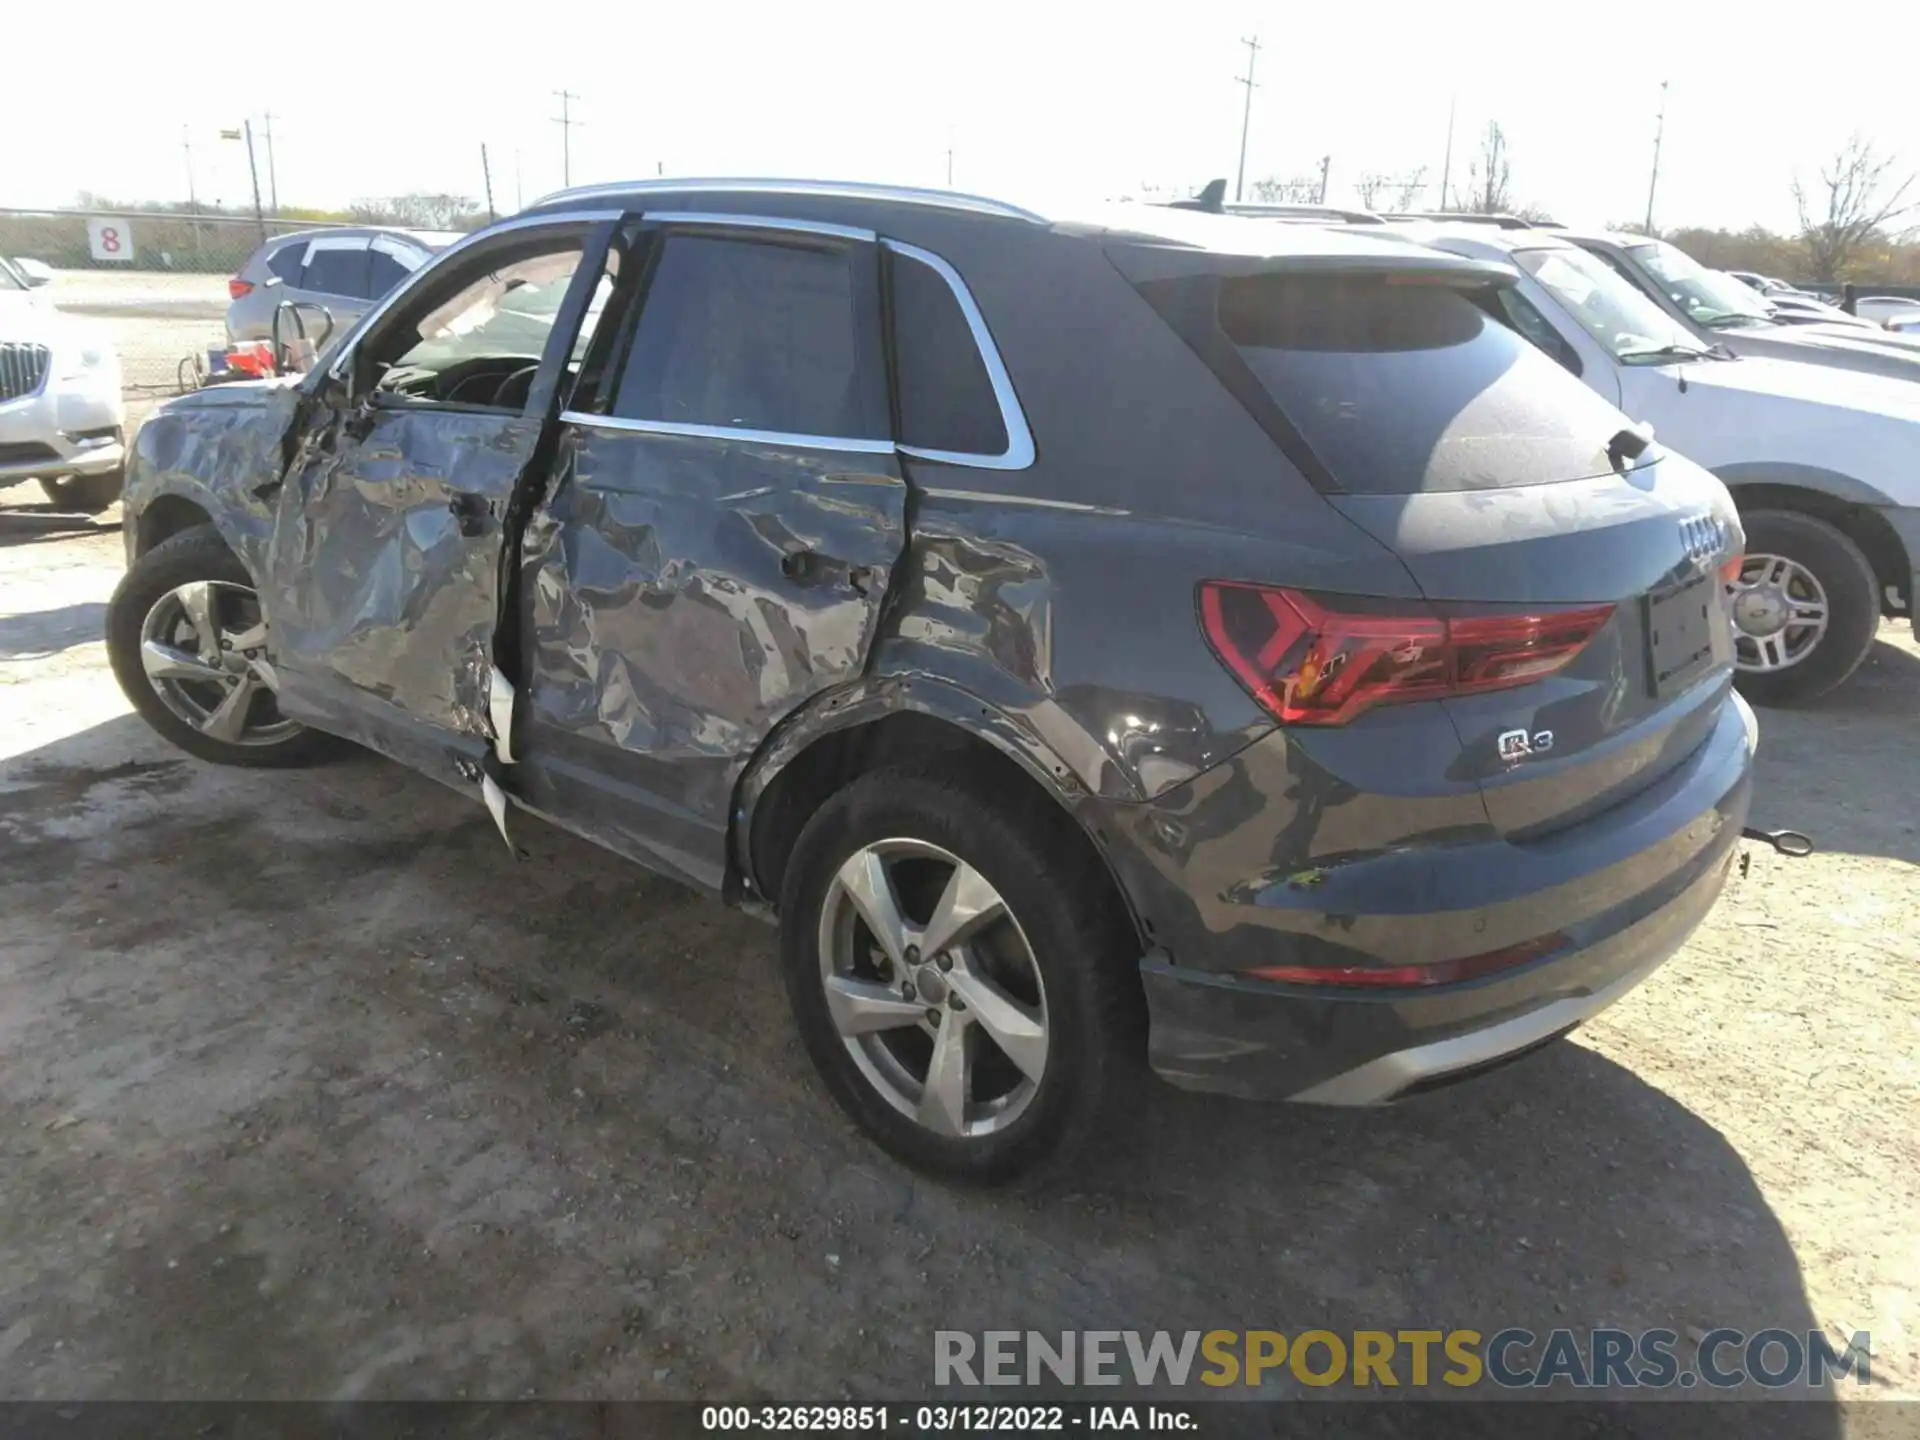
(110, 239)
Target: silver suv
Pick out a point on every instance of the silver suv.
(343, 268)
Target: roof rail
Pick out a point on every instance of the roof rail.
(1307, 212)
(839, 189)
(1471, 217)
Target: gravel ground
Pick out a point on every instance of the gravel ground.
(309, 1090)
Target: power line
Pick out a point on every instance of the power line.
(566, 122)
(1246, 114)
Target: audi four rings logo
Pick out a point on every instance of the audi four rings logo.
(1705, 536)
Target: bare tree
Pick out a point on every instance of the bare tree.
(1408, 188)
(1857, 202)
(425, 212)
(1371, 187)
(1299, 190)
(1490, 177)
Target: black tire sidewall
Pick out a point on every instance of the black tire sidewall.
(89, 494)
(197, 554)
(1853, 605)
(1081, 956)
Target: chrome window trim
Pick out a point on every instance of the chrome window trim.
(759, 222)
(558, 219)
(1019, 453)
(728, 432)
(828, 189)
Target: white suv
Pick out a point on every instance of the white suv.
(1824, 463)
(61, 417)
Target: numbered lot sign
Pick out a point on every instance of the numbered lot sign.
(110, 239)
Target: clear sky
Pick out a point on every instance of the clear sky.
(1033, 98)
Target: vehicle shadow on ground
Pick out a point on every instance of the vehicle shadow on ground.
(41, 633)
(1872, 805)
(324, 1095)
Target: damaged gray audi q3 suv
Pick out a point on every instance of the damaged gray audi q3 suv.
(1098, 638)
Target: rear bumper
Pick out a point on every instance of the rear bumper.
(1618, 894)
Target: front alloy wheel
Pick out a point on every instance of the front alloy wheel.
(188, 645)
(933, 988)
(1805, 608)
(203, 647)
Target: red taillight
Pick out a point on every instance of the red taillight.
(1312, 662)
(1730, 570)
(1388, 977)
(236, 287)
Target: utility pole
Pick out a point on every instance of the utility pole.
(193, 200)
(254, 171)
(1446, 166)
(566, 122)
(486, 173)
(1246, 114)
(1659, 134)
(273, 178)
(1326, 164)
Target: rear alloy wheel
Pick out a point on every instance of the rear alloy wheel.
(188, 646)
(1804, 608)
(964, 986)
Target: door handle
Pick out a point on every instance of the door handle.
(799, 566)
(472, 512)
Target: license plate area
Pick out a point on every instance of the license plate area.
(1681, 625)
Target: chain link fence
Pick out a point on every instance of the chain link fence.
(156, 282)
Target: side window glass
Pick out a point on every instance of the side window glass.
(751, 335)
(386, 272)
(1523, 316)
(285, 262)
(337, 271)
(481, 335)
(945, 395)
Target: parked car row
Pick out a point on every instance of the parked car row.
(62, 420)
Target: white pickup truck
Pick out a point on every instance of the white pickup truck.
(1824, 463)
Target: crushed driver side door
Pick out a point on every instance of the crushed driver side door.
(397, 519)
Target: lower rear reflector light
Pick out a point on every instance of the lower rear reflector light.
(1401, 977)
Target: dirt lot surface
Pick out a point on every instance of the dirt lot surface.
(307, 1089)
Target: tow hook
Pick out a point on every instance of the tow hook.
(1790, 843)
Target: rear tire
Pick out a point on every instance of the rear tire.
(199, 557)
(1813, 551)
(1072, 973)
(88, 494)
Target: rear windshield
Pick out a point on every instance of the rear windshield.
(1398, 388)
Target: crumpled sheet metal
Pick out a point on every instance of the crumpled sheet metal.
(681, 607)
(217, 448)
(383, 588)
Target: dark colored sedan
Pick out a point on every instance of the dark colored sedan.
(1097, 639)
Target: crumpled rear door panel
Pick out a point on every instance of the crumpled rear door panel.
(682, 596)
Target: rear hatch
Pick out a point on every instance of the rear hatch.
(1575, 632)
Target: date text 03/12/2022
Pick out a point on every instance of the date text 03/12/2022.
(944, 1419)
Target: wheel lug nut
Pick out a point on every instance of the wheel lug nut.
(945, 962)
(912, 956)
(933, 1017)
(906, 989)
(956, 1002)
